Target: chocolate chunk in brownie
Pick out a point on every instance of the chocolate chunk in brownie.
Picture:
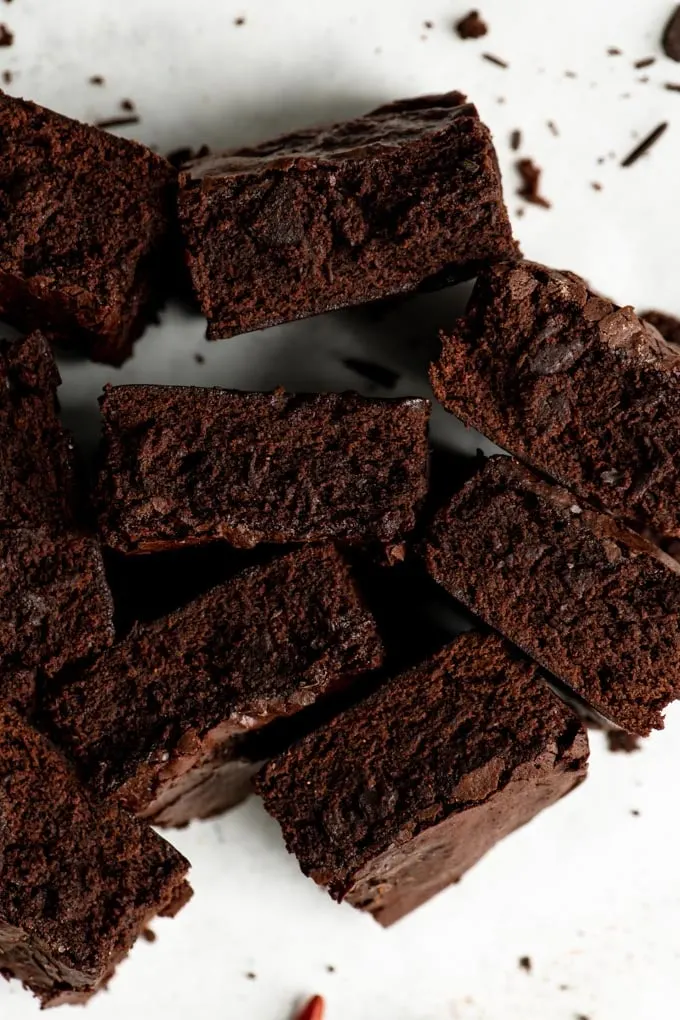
(591, 601)
(258, 648)
(37, 463)
(80, 880)
(55, 605)
(577, 387)
(396, 799)
(82, 218)
(405, 197)
(183, 465)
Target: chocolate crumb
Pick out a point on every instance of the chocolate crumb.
(531, 179)
(644, 79)
(148, 935)
(127, 104)
(563, 988)
(471, 26)
(596, 186)
(6, 37)
(495, 60)
(113, 122)
(672, 86)
(239, 21)
(552, 127)
(96, 79)
(7, 77)
(251, 975)
(199, 359)
(644, 145)
(635, 813)
(582, 1016)
(614, 51)
(330, 968)
(645, 62)
(667, 325)
(671, 36)
(515, 140)
(619, 740)
(519, 212)
(570, 74)
(379, 374)
(500, 100)
(525, 963)
(428, 24)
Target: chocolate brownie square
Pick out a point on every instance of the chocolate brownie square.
(396, 799)
(408, 196)
(83, 215)
(182, 465)
(573, 385)
(257, 649)
(80, 879)
(591, 601)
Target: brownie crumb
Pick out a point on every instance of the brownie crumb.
(251, 975)
(428, 24)
(127, 104)
(96, 79)
(619, 740)
(199, 359)
(672, 86)
(330, 968)
(6, 37)
(515, 140)
(670, 40)
(644, 145)
(471, 26)
(582, 1016)
(113, 122)
(520, 211)
(525, 963)
(552, 127)
(614, 51)
(563, 988)
(531, 180)
(379, 374)
(596, 186)
(495, 60)
(645, 62)
(239, 21)
(148, 935)
(635, 813)
(570, 74)
(7, 77)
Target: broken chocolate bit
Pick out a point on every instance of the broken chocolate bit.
(672, 86)
(127, 104)
(670, 40)
(531, 179)
(495, 60)
(515, 140)
(113, 122)
(471, 26)
(525, 963)
(645, 62)
(619, 740)
(614, 51)
(645, 145)
(96, 79)
(6, 37)
(379, 374)
(7, 77)
(239, 21)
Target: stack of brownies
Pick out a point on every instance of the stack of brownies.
(217, 611)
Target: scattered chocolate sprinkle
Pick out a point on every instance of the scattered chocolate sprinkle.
(619, 740)
(314, 1010)
(563, 988)
(251, 975)
(552, 127)
(495, 60)
(239, 21)
(596, 186)
(672, 86)
(96, 79)
(330, 968)
(600, 160)
(644, 145)
(671, 36)
(525, 963)
(614, 51)
(531, 178)
(644, 79)
(178, 157)
(199, 359)
(635, 813)
(148, 935)
(471, 26)
(127, 104)
(428, 24)
(379, 374)
(570, 74)
(6, 37)
(117, 121)
(582, 1016)
(500, 100)
(520, 211)
(7, 77)
(515, 140)
(645, 62)
(667, 325)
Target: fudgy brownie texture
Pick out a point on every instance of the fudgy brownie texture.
(396, 799)
(591, 601)
(264, 645)
(80, 879)
(37, 463)
(407, 196)
(182, 465)
(667, 325)
(55, 605)
(572, 384)
(82, 218)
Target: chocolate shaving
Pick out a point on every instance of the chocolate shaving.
(645, 145)
(117, 121)
(672, 86)
(525, 963)
(645, 62)
(7, 77)
(515, 140)
(96, 79)
(6, 37)
(614, 51)
(552, 127)
(379, 374)
(495, 60)
(531, 179)
(471, 26)
(671, 36)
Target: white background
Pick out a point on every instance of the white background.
(590, 891)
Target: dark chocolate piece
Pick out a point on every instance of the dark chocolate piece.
(577, 387)
(645, 145)
(515, 140)
(405, 197)
(183, 465)
(82, 219)
(671, 36)
(591, 601)
(80, 880)
(495, 60)
(531, 183)
(114, 122)
(471, 26)
(6, 37)
(259, 648)
(396, 799)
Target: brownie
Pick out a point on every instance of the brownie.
(574, 385)
(591, 601)
(182, 465)
(405, 197)
(80, 879)
(260, 647)
(37, 463)
(396, 799)
(667, 325)
(83, 215)
(55, 605)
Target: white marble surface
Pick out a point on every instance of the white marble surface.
(590, 891)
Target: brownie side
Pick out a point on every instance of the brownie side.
(37, 461)
(80, 879)
(183, 465)
(667, 325)
(82, 218)
(266, 644)
(395, 799)
(591, 601)
(572, 384)
(55, 604)
(409, 195)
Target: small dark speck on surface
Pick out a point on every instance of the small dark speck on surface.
(148, 935)
(582, 1016)
(96, 79)
(330, 968)
(495, 60)
(199, 359)
(645, 62)
(643, 80)
(127, 104)
(6, 37)
(614, 51)
(251, 975)
(552, 127)
(501, 100)
(525, 963)
(7, 77)
(570, 74)
(515, 140)
(519, 212)
(596, 186)
(619, 740)
(672, 86)
(239, 21)
(379, 374)
(114, 122)
(428, 24)
(472, 26)
(563, 988)
(644, 145)
(635, 813)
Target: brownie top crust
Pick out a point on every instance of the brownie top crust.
(435, 740)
